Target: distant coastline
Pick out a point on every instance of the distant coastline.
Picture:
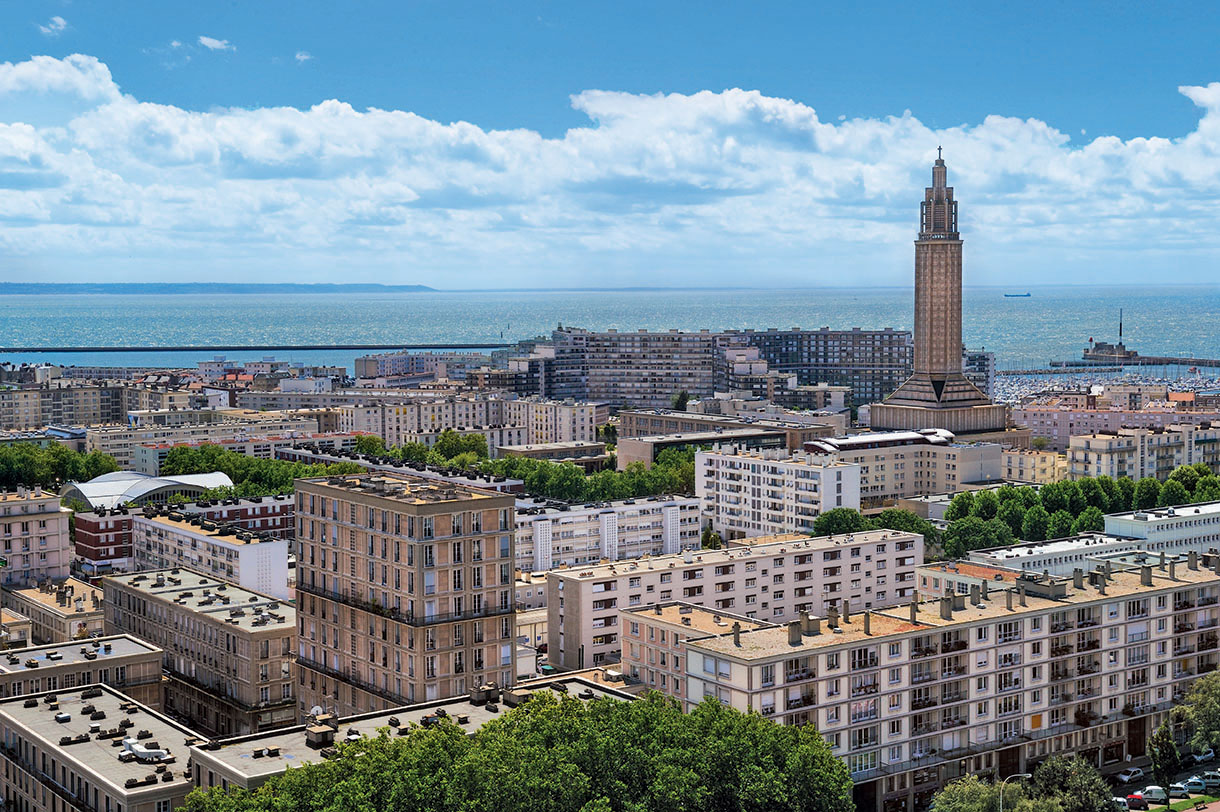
(181, 288)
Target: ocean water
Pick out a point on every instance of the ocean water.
(1052, 324)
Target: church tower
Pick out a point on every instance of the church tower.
(937, 395)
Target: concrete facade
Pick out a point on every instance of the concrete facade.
(1138, 453)
(34, 537)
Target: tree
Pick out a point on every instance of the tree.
(1147, 492)
(710, 539)
(1093, 494)
(1074, 782)
(679, 401)
(972, 794)
(959, 507)
(1207, 489)
(1091, 520)
(1076, 500)
(986, 505)
(1060, 525)
(30, 465)
(1188, 476)
(837, 521)
(1053, 497)
(1036, 524)
(1166, 763)
(1172, 493)
(369, 444)
(1126, 490)
(1012, 513)
(1040, 443)
(1000, 531)
(1115, 501)
(970, 533)
(1201, 711)
(608, 434)
(907, 522)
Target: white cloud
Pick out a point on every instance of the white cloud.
(54, 27)
(304, 56)
(216, 44)
(175, 44)
(724, 187)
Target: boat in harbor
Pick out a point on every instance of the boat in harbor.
(1017, 295)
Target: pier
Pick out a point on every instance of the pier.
(261, 348)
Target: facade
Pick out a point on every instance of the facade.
(168, 538)
(1172, 530)
(34, 538)
(938, 395)
(404, 591)
(1058, 422)
(58, 613)
(121, 661)
(123, 488)
(53, 759)
(228, 652)
(1060, 556)
(979, 368)
(1036, 467)
(551, 534)
(589, 456)
(16, 630)
(634, 423)
(120, 442)
(774, 579)
(1138, 453)
(746, 494)
(68, 403)
(990, 683)
(646, 449)
(103, 537)
(149, 457)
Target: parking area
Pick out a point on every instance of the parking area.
(1203, 791)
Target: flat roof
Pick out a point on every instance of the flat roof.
(96, 757)
(704, 436)
(545, 507)
(12, 616)
(74, 652)
(744, 548)
(701, 618)
(28, 495)
(405, 488)
(211, 597)
(972, 570)
(214, 531)
(1180, 512)
(49, 600)
(238, 753)
(562, 446)
(1065, 546)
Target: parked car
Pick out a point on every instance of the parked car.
(1204, 757)
(1135, 801)
(1153, 794)
(1194, 785)
(1211, 780)
(1120, 804)
(1178, 791)
(1130, 775)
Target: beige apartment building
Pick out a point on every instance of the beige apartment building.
(228, 652)
(69, 610)
(1036, 467)
(1138, 453)
(989, 683)
(773, 579)
(92, 748)
(123, 662)
(34, 538)
(404, 591)
(1060, 421)
(16, 630)
(120, 442)
(747, 493)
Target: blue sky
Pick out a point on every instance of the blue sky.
(509, 144)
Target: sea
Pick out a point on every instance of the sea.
(1052, 323)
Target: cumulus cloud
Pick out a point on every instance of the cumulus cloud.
(213, 44)
(304, 56)
(728, 187)
(54, 27)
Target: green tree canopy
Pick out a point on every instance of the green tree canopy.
(1126, 489)
(1147, 492)
(1166, 762)
(679, 400)
(972, 794)
(906, 521)
(986, 505)
(960, 506)
(971, 533)
(1172, 493)
(1036, 524)
(1012, 513)
(1060, 525)
(840, 520)
(1054, 497)
(1074, 783)
(251, 476)
(1201, 711)
(1090, 521)
(30, 465)
(369, 444)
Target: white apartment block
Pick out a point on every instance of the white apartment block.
(256, 561)
(551, 534)
(34, 537)
(746, 494)
(774, 579)
(1059, 422)
(989, 683)
(904, 464)
(120, 442)
(1138, 453)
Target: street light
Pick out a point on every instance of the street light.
(1005, 781)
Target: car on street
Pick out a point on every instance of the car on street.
(1130, 775)
(1151, 794)
(1120, 804)
(1195, 786)
(1135, 801)
(1207, 755)
(1211, 780)
(1178, 791)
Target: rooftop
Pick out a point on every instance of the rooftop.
(572, 445)
(405, 488)
(1180, 512)
(760, 546)
(61, 598)
(1064, 546)
(781, 455)
(213, 598)
(198, 526)
(718, 435)
(28, 495)
(280, 749)
(971, 570)
(73, 652)
(699, 619)
(546, 507)
(97, 747)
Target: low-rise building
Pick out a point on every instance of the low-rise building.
(164, 539)
(1138, 453)
(34, 539)
(775, 578)
(125, 488)
(1173, 530)
(69, 610)
(1033, 466)
(1061, 556)
(120, 442)
(639, 423)
(228, 651)
(646, 449)
(123, 662)
(590, 456)
(746, 493)
(148, 458)
(553, 534)
(16, 630)
(60, 753)
(942, 578)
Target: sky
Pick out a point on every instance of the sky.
(539, 144)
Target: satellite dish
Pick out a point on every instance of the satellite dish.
(316, 710)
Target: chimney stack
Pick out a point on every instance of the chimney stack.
(1008, 599)
(1145, 575)
(946, 608)
(794, 633)
(975, 595)
(1078, 578)
(736, 633)
(832, 617)
(815, 625)
(1021, 593)
(1162, 564)
(914, 609)
(847, 610)
(985, 590)
(868, 622)
(1192, 560)
(1173, 569)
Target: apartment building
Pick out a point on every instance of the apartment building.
(775, 578)
(590, 457)
(228, 651)
(69, 610)
(121, 661)
(80, 404)
(634, 423)
(1088, 551)
(654, 641)
(1138, 453)
(148, 458)
(1059, 421)
(645, 450)
(746, 493)
(34, 539)
(103, 537)
(553, 534)
(1036, 467)
(16, 630)
(404, 591)
(410, 364)
(92, 748)
(978, 366)
(168, 538)
(904, 464)
(121, 442)
(990, 683)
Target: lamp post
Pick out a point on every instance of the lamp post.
(1005, 781)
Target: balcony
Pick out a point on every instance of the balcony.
(925, 651)
(1207, 642)
(863, 690)
(956, 721)
(1062, 626)
(343, 676)
(922, 677)
(954, 645)
(1089, 645)
(799, 674)
(953, 671)
(923, 702)
(1015, 685)
(1087, 623)
(862, 663)
(1209, 600)
(1182, 606)
(1182, 627)
(950, 697)
(804, 701)
(400, 616)
(1062, 651)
